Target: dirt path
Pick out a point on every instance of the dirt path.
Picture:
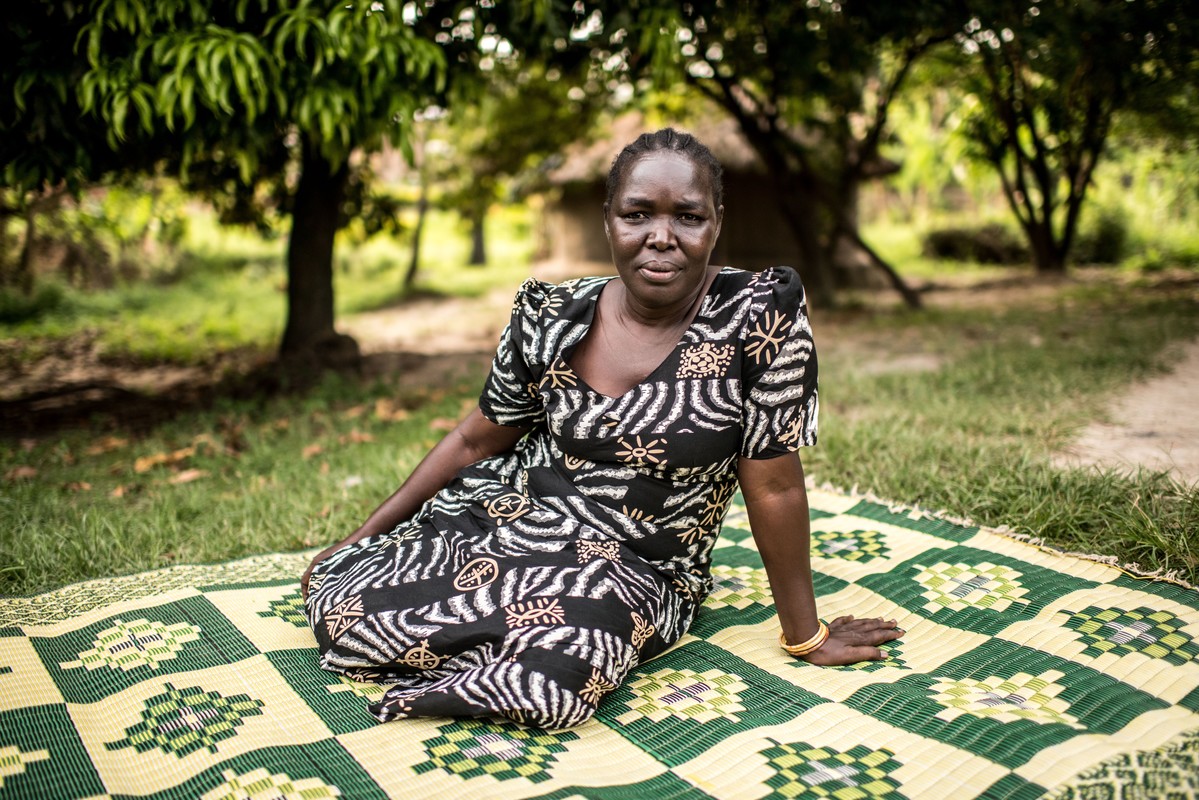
(1154, 424)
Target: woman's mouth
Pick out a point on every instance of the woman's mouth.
(657, 271)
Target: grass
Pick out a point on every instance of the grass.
(972, 438)
(227, 291)
(975, 437)
(286, 474)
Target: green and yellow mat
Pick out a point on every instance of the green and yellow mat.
(1024, 674)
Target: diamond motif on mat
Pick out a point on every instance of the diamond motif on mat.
(470, 748)
(859, 545)
(260, 784)
(958, 586)
(1022, 696)
(1156, 634)
(343, 616)
(683, 693)
(1145, 774)
(181, 721)
(140, 643)
(739, 587)
(859, 773)
(289, 608)
(13, 760)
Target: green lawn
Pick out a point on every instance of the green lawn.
(971, 437)
(227, 290)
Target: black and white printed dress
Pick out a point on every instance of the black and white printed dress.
(533, 583)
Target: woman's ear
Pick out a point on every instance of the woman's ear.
(719, 220)
(607, 230)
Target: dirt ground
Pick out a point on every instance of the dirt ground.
(1154, 424)
(436, 341)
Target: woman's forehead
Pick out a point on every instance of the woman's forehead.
(664, 170)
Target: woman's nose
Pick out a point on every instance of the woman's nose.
(660, 237)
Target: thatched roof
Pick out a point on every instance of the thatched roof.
(588, 162)
(584, 163)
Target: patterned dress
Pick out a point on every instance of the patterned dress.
(533, 583)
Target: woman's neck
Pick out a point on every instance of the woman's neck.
(630, 314)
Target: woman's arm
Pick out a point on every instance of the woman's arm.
(777, 503)
(474, 439)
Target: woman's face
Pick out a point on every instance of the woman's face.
(662, 226)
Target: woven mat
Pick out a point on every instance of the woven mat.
(1023, 674)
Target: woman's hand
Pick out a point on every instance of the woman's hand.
(852, 640)
(321, 556)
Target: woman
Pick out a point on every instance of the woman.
(561, 534)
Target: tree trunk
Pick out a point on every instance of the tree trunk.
(1047, 257)
(309, 333)
(23, 275)
(422, 209)
(814, 264)
(478, 244)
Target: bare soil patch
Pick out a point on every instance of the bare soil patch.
(1154, 425)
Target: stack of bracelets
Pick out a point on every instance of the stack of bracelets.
(805, 648)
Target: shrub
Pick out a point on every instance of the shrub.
(986, 244)
(1104, 242)
(16, 307)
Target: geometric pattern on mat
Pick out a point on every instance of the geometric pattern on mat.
(1023, 674)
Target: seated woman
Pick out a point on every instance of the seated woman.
(561, 534)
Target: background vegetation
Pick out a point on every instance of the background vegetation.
(968, 145)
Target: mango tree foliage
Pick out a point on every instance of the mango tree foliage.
(240, 97)
(1049, 77)
(810, 85)
(504, 130)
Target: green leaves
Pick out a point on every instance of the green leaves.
(197, 71)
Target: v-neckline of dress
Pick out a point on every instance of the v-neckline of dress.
(589, 319)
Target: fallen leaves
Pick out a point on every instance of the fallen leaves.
(20, 473)
(312, 450)
(354, 412)
(106, 445)
(78, 486)
(387, 410)
(187, 476)
(355, 436)
(443, 424)
(147, 463)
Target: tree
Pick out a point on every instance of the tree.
(1050, 76)
(810, 85)
(239, 97)
(502, 128)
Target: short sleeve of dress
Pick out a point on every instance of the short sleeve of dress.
(779, 399)
(510, 394)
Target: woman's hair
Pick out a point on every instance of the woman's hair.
(667, 139)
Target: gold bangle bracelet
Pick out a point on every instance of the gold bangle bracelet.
(803, 648)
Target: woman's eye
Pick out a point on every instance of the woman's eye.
(635, 215)
(689, 218)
